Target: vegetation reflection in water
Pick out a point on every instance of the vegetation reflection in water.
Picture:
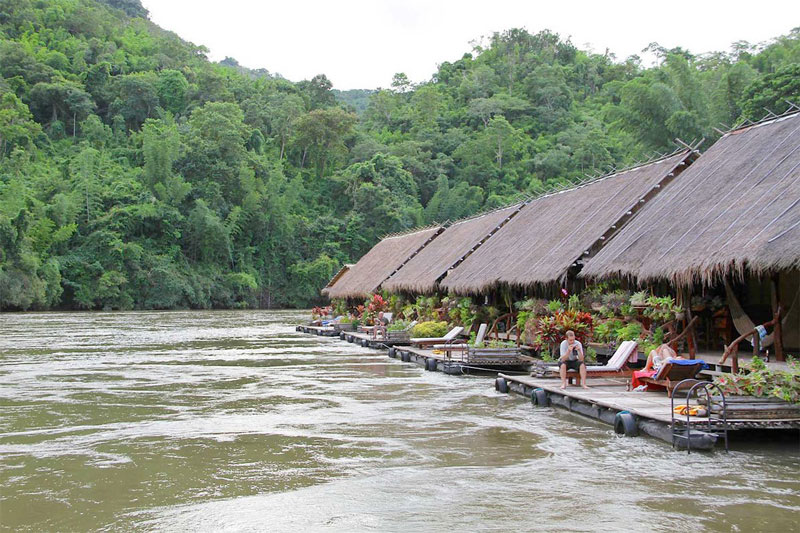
(209, 420)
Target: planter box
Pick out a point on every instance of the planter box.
(496, 356)
(344, 327)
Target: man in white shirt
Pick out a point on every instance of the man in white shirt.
(572, 358)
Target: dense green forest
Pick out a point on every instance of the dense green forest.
(136, 173)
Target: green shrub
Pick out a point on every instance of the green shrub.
(398, 325)
(629, 332)
(554, 306)
(429, 329)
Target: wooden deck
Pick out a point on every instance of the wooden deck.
(368, 341)
(325, 331)
(608, 396)
(609, 393)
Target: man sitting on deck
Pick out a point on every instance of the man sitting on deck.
(572, 358)
(380, 325)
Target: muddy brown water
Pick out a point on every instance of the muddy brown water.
(231, 420)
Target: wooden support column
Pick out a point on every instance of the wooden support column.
(777, 334)
(685, 301)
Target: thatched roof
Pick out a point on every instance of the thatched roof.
(422, 273)
(552, 232)
(736, 208)
(336, 277)
(379, 263)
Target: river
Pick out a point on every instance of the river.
(231, 420)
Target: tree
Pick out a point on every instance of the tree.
(63, 101)
(17, 128)
(172, 91)
(318, 91)
(284, 110)
(321, 133)
(138, 99)
(161, 146)
(771, 92)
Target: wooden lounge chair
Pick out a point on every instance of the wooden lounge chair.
(455, 346)
(430, 341)
(617, 366)
(671, 373)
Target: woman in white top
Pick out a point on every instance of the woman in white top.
(657, 357)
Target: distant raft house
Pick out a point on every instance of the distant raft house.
(726, 222)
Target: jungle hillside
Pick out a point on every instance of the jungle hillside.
(135, 173)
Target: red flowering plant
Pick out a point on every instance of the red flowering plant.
(375, 305)
(551, 330)
(320, 312)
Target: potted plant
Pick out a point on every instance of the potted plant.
(639, 299)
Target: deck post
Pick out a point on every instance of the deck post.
(685, 300)
(778, 331)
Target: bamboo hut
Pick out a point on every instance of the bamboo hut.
(423, 272)
(733, 216)
(552, 235)
(386, 257)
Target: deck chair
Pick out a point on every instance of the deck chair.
(455, 346)
(617, 366)
(673, 371)
(430, 341)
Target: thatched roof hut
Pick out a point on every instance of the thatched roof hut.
(379, 263)
(551, 233)
(422, 273)
(737, 208)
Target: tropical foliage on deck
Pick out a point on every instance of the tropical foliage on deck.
(755, 379)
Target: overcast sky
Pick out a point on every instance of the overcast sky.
(360, 44)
